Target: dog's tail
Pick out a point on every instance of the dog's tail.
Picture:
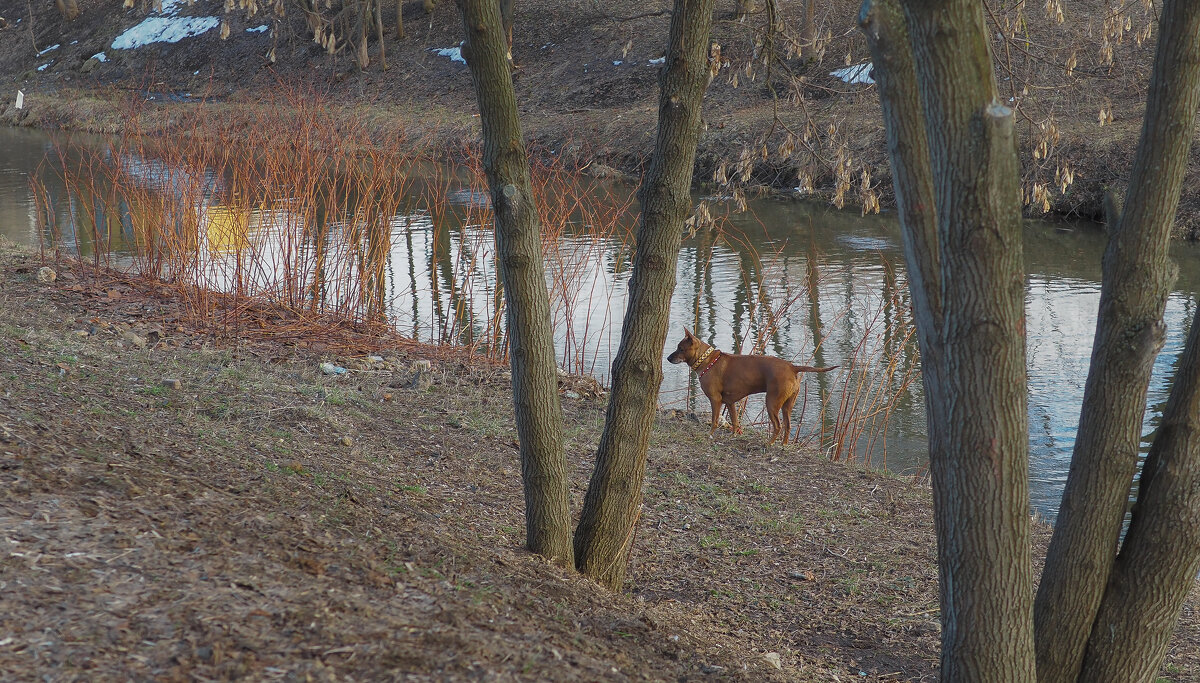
(809, 368)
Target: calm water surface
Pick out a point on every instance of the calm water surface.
(795, 279)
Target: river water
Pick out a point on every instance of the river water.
(794, 279)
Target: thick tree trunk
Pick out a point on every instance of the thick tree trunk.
(1129, 334)
(519, 257)
(973, 354)
(612, 505)
(399, 19)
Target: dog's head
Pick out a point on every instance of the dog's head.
(688, 350)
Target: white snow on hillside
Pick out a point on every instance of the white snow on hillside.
(859, 73)
(454, 53)
(164, 30)
(165, 27)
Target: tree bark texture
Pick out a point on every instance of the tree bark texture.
(527, 303)
(614, 496)
(1129, 334)
(968, 291)
(883, 23)
(908, 149)
(507, 16)
(1160, 555)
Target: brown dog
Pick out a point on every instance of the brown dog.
(727, 378)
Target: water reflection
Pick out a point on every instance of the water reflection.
(796, 280)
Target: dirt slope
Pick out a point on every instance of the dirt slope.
(262, 519)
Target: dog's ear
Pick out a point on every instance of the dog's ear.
(688, 333)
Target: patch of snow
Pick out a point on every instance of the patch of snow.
(74, 42)
(257, 29)
(43, 67)
(660, 60)
(52, 47)
(196, 72)
(100, 57)
(616, 62)
(859, 73)
(164, 30)
(170, 7)
(454, 53)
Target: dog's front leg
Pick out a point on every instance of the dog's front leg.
(733, 418)
(716, 416)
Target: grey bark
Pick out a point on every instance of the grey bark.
(519, 257)
(968, 290)
(613, 501)
(1129, 334)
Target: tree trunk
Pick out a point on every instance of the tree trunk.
(883, 23)
(1160, 556)
(378, 4)
(69, 9)
(527, 304)
(908, 148)
(361, 58)
(809, 33)
(968, 291)
(613, 502)
(399, 19)
(1129, 334)
(507, 17)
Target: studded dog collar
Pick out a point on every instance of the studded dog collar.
(700, 361)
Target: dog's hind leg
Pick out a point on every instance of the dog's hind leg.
(788, 404)
(733, 418)
(773, 414)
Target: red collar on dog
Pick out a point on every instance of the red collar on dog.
(716, 355)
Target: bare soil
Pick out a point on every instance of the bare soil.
(588, 91)
(256, 518)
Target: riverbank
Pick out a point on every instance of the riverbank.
(586, 82)
(189, 501)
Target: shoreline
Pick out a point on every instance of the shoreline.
(453, 130)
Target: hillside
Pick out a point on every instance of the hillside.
(182, 502)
